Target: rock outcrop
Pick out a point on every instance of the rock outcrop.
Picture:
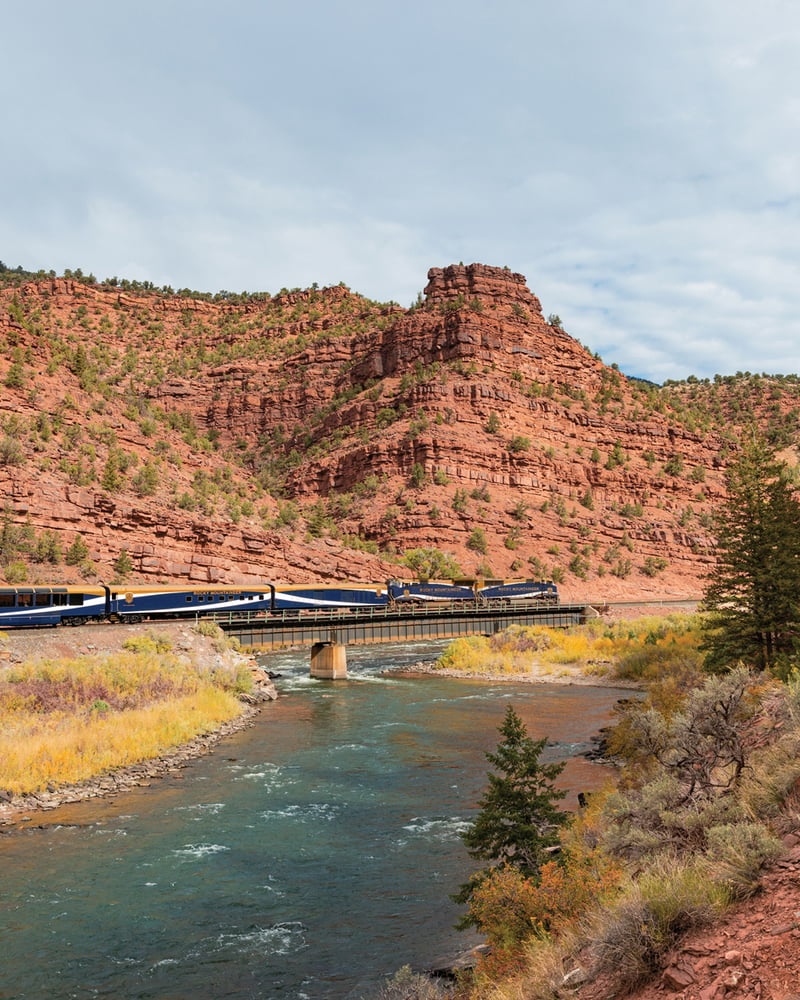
(316, 435)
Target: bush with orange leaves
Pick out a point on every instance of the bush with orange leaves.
(509, 908)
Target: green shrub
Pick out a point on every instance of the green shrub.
(385, 417)
(287, 513)
(519, 443)
(622, 568)
(418, 476)
(48, 548)
(146, 480)
(123, 565)
(617, 456)
(460, 501)
(737, 852)
(431, 564)
(631, 938)
(520, 511)
(653, 565)
(15, 376)
(477, 541)
(77, 553)
(11, 452)
(16, 571)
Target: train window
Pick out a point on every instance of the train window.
(188, 598)
(76, 599)
(42, 599)
(60, 599)
(7, 599)
(24, 600)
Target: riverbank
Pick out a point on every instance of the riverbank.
(185, 642)
(537, 673)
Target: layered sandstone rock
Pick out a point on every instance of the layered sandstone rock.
(291, 434)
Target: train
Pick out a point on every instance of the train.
(78, 605)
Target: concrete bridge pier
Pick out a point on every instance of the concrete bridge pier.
(329, 661)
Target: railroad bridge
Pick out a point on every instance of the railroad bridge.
(329, 631)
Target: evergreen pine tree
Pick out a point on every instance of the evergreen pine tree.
(753, 594)
(77, 552)
(518, 820)
(123, 565)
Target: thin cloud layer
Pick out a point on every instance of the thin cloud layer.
(638, 163)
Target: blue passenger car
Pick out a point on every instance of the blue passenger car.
(342, 595)
(518, 590)
(430, 590)
(135, 603)
(51, 605)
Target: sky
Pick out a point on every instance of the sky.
(637, 161)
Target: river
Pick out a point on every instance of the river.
(305, 859)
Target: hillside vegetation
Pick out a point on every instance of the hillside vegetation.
(154, 434)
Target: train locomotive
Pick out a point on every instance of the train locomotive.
(77, 605)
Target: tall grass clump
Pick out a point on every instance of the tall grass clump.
(630, 937)
(65, 720)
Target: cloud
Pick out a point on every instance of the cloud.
(638, 164)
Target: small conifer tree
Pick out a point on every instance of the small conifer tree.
(123, 564)
(519, 820)
(77, 552)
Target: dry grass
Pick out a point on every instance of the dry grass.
(630, 938)
(63, 721)
(638, 649)
(547, 969)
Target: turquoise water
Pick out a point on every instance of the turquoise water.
(307, 857)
